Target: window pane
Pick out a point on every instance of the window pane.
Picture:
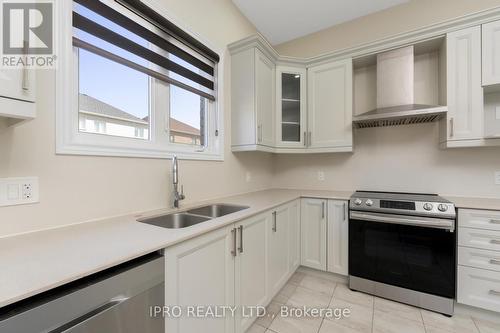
(187, 117)
(113, 99)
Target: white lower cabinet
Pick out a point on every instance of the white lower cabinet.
(278, 265)
(243, 265)
(294, 236)
(478, 271)
(251, 269)
(338, 237)
(479, 288)
(201, 272)
(313, 233)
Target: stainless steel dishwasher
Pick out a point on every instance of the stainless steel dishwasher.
(117, 300)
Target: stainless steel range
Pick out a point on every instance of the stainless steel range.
(402, 247)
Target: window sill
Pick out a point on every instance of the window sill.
(87, 150)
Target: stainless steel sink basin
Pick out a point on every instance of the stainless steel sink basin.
(217, 210)
(175, 221)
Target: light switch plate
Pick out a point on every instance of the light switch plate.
(497, 178)
(18, 191)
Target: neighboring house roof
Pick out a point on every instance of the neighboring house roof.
(92, 105)
(180, 127)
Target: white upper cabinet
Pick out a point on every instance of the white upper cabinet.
(491, 53)
(330, 99)
(338, 237)
(17, 94)
(291, 106)
(464, 88)
(253, 100)
(265, 88)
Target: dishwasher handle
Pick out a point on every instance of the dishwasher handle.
(89, 315)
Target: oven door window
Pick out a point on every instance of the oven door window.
(421, 259)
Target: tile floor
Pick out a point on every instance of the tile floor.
(368, 314)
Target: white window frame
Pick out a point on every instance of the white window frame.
(70, 141)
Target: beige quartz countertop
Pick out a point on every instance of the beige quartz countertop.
(475, 203)
(39, 261)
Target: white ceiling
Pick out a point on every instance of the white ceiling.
(283, 20)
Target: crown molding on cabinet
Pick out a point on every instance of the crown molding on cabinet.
(395, 41)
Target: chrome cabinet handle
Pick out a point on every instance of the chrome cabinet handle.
(25, 85)
(323, 210)
(494, 292)
(492, 221)
(275, 227)
(452, 127)
(233, 234)
(240, 249)
(344, 209)
(494, 261)
(305, 139)
(259, 133)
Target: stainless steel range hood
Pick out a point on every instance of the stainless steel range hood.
(395, 94)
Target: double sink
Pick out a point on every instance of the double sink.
(192, 216)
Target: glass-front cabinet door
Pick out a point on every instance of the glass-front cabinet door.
(291, 107)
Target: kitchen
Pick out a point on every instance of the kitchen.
(272, 152)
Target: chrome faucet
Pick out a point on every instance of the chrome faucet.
(175, 175)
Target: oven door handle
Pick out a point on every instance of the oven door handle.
(425, 222)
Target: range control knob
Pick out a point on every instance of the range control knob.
(428, 206)
(369, 202)
(442, 208)
(358, 202)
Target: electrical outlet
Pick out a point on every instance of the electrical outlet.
(27, 191)
(18, 191)
(497, 178)
(321, 176)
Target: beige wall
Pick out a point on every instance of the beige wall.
(406, 17)
(79, 188)
(402, 158)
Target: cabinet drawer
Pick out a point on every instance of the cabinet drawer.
(477, 258)
(479, 287)
(480, 219)
(478, 238)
